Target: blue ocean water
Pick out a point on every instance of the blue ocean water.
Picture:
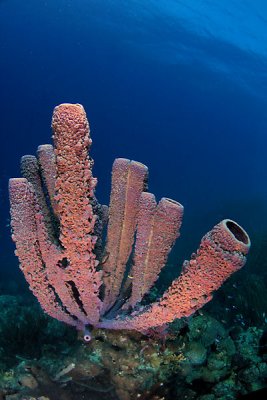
(177, 85)
(180, 85)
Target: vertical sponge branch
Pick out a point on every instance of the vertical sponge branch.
(74, 187)
(128, 181)
(47, 162)
(157, 229)
(74, 182)
(25, 234)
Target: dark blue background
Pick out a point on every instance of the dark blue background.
(191, 107)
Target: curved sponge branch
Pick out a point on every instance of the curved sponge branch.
(222, 251)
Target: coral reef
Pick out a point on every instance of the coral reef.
(200, 359)
(57, 226)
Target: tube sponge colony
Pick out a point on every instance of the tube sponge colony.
(57, 226)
